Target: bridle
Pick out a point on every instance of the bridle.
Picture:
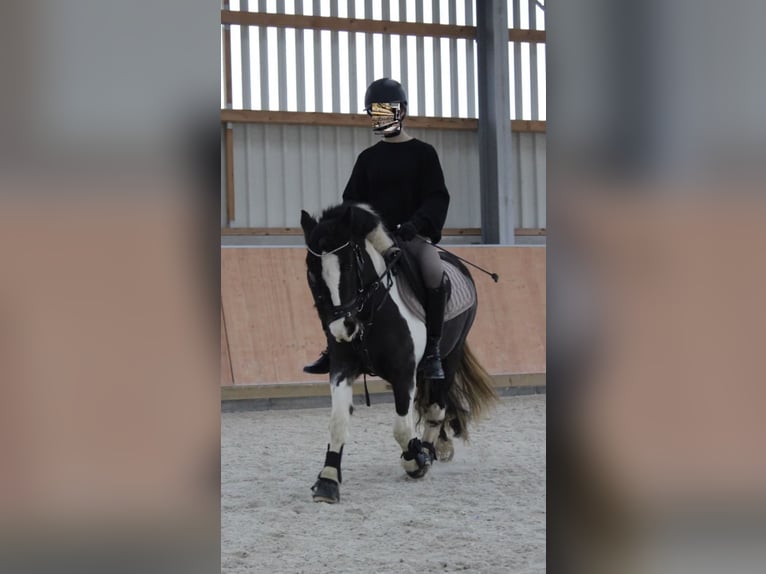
(355, 307)
(315, 254)
(364, 292)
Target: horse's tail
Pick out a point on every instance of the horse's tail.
(471, 394)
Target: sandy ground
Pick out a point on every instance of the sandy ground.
(482, 512)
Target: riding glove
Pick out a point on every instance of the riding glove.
(407, 231)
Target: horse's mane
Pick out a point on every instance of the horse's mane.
(335, 212)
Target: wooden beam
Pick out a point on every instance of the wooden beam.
(229, 157)
(531, 36)
(346, 24)
(227, 62)
(528, 126)
(294, 118)
(289, 231)
(362, 121)
(297, 231)
(334, 119)
(302, 22)
(258, 231)
(530, 231)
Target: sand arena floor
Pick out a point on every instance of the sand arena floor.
(483, 512)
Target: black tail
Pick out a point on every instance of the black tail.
(471, 394)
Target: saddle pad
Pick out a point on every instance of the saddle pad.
(462, 296)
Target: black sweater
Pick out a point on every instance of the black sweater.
(402, 182)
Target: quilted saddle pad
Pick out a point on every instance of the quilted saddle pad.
(462, 295)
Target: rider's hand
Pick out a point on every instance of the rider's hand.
(407, 231)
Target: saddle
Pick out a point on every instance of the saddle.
(460, 290)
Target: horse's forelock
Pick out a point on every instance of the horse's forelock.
(338, 224)
(330, 232)
(369, 210)
(334, 212)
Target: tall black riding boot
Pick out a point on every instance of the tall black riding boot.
(432, 361)
(319, 367)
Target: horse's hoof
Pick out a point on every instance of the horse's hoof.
(418, 458)
(419, 473)
(326, 490)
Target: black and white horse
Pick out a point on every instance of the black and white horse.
(371, 330)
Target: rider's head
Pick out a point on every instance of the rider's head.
(386, 103)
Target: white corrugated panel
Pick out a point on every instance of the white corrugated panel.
(281, 169)
(528, 169)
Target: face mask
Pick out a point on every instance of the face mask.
(386, 119)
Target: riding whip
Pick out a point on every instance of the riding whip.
(494, 276)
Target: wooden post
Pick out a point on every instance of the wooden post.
(228, 133)
(229, 147)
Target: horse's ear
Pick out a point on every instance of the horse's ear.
(308, 224)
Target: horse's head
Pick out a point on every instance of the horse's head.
(339, 267)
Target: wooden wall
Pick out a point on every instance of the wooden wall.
(270, 328)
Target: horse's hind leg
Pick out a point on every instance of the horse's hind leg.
(434, 428)
(416, 456)
(326, 488)
(445, 449)
(434, 416)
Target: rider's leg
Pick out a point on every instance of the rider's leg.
(321, 366)
(432, 271)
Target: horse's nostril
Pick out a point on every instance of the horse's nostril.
(349, 324)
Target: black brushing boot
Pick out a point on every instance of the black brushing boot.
(319, 367)
(432, 361)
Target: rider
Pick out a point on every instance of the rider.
(401, 178)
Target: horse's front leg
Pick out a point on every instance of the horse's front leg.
(326, 488)
(416, 456)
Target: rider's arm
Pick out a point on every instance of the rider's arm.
(432, 213)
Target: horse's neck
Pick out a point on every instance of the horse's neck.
(375, 257)
(379, 263)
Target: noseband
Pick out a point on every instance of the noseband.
(341, 248)
(364, 292)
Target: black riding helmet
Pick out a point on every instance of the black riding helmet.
(386, 91)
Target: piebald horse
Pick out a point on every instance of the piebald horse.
(371, 330)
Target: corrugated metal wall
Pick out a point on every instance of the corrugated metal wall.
(281, 169)
(322, 70)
